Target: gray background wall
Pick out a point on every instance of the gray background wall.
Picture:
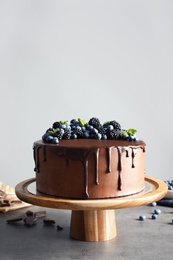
(59, 60)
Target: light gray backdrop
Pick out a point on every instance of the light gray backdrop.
(59, 60)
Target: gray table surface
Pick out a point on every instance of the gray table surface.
(149, 239)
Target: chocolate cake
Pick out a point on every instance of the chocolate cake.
(101, 165)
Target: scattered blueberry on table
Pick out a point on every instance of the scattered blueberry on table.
(142, 217)
(157, 211)
(169, 184)
(153, 204)
(154, 216)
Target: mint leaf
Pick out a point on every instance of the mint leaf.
(53, 131)
(63, 122)
(81, 121)
(124, 133)
(131, 131)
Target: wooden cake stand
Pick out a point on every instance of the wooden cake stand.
(93, 220)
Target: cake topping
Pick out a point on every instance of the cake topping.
(78, 128)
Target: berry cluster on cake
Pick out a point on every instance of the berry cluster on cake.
(89, 160)
(93, 129)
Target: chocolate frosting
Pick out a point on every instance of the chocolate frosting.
(82, 149)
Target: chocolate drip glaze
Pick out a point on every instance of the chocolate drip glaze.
(36, 157)
(108, 150)
(133, 153)
(133, 156)
(127, 152)
(119, 168)
(82, 154)
(96, 166)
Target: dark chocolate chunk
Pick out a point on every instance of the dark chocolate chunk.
(48, 221)
(59, 228)
(40, 214)
(29, 213)
(16, 219)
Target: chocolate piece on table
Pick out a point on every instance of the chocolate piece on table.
(31, 219)
(59, 228)
(16, 219)
(48, 221)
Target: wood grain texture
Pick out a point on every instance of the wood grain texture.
(93, 220)
(93, 225)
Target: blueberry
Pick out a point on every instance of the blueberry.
(73, 136)
(87, 126)
(55, 140)
(142, 217)
(124, 137)
(169, 184)
(95, 131)
(63, 126)
(157, 211)
(44, 137)
(86, 134)
(132, 138)
(73, 127)
(98, 136)
(154, 216)
(62, 131)
(68, 127)
(110, 127)
(153, 204)
(49, 138)
(73, 122)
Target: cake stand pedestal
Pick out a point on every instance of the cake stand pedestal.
(93, 220)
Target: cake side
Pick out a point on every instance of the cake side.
(89, 169)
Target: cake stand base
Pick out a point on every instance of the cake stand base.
(93, 225)
(93, 220)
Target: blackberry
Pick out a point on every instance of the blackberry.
(59, 135)
(114, 134)
(101, 129)
(94, 121)
(56, 125)
(115, 124)
(67, 134)
(78, 131)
